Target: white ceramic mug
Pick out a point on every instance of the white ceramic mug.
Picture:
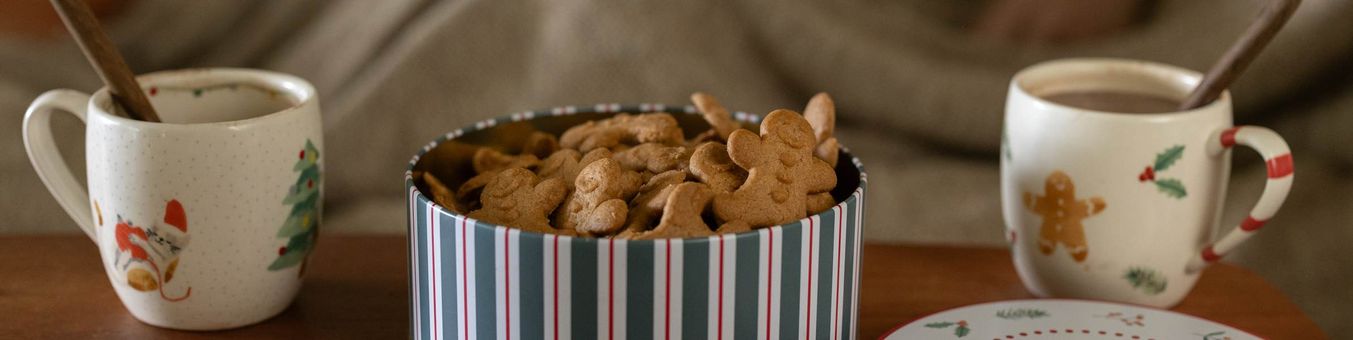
(203, 221)
(1122, 206)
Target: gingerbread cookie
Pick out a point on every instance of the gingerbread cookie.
(1062, 214)
(733, 227)
(715, 114)
(469, 191)
(782, 172)
(681, 214)
(441, 194)
(623, 129)
(710, 135)
(647, 206)
(490, 160)
(517, 198)
(653, 157)
(711, 165)
(828, 151)
(625, 176)
(567, 163)
(540, 144)
(598, 202)
(820, 202)
(487, 162)
(821, 114)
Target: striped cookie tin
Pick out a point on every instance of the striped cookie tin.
(474, 280)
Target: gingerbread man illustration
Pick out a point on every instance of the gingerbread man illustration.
(1062, 215)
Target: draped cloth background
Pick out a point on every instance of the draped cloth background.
(920, 99)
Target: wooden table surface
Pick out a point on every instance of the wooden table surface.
(357, 287)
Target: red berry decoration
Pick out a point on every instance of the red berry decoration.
(281, 251)
(1147, 175)
(302, 155)
(310, 183)
(154, 90)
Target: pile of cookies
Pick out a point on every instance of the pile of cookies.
(638, 177)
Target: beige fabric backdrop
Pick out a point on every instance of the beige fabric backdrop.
(920, 98)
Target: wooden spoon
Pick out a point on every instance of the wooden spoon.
(122, 86)
(1233, 63)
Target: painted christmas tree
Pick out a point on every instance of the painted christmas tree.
(302, 226)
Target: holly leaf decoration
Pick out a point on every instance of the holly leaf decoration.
(1171, 187)
(1146, 280)
(961, 331)
(1167, 158)
(939, 324)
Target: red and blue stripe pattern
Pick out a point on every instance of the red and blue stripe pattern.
(474, 280)
(1278, 161)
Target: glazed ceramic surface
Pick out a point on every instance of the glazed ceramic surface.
(1063, 319)
(1119, 206)
(203, 221)
(474, 280)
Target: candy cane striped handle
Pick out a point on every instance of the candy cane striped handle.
(1278, 158)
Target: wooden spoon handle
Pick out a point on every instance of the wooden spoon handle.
(108, 63)
(1233, 63)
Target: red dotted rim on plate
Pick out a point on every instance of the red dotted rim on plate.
(1052, 331)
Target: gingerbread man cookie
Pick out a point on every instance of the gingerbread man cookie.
(715, 114)
(441, 194)
(681, 213)
(487, 162)
(653, 157)
(821, 114)
(623, 129)
(567, 163)
(820, 202)
(490, 160)
(782, 172)
(1062, 215)
(733, 227)
(647, 206)
(711, 165)
(540, 144)
(708, 136)
(517, 198)
(472, 187)
(597, 204)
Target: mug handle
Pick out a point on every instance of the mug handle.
(1278, 159)
(42, 151)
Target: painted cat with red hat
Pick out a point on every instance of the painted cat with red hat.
(143, 251)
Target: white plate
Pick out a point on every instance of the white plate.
(1063, 319)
